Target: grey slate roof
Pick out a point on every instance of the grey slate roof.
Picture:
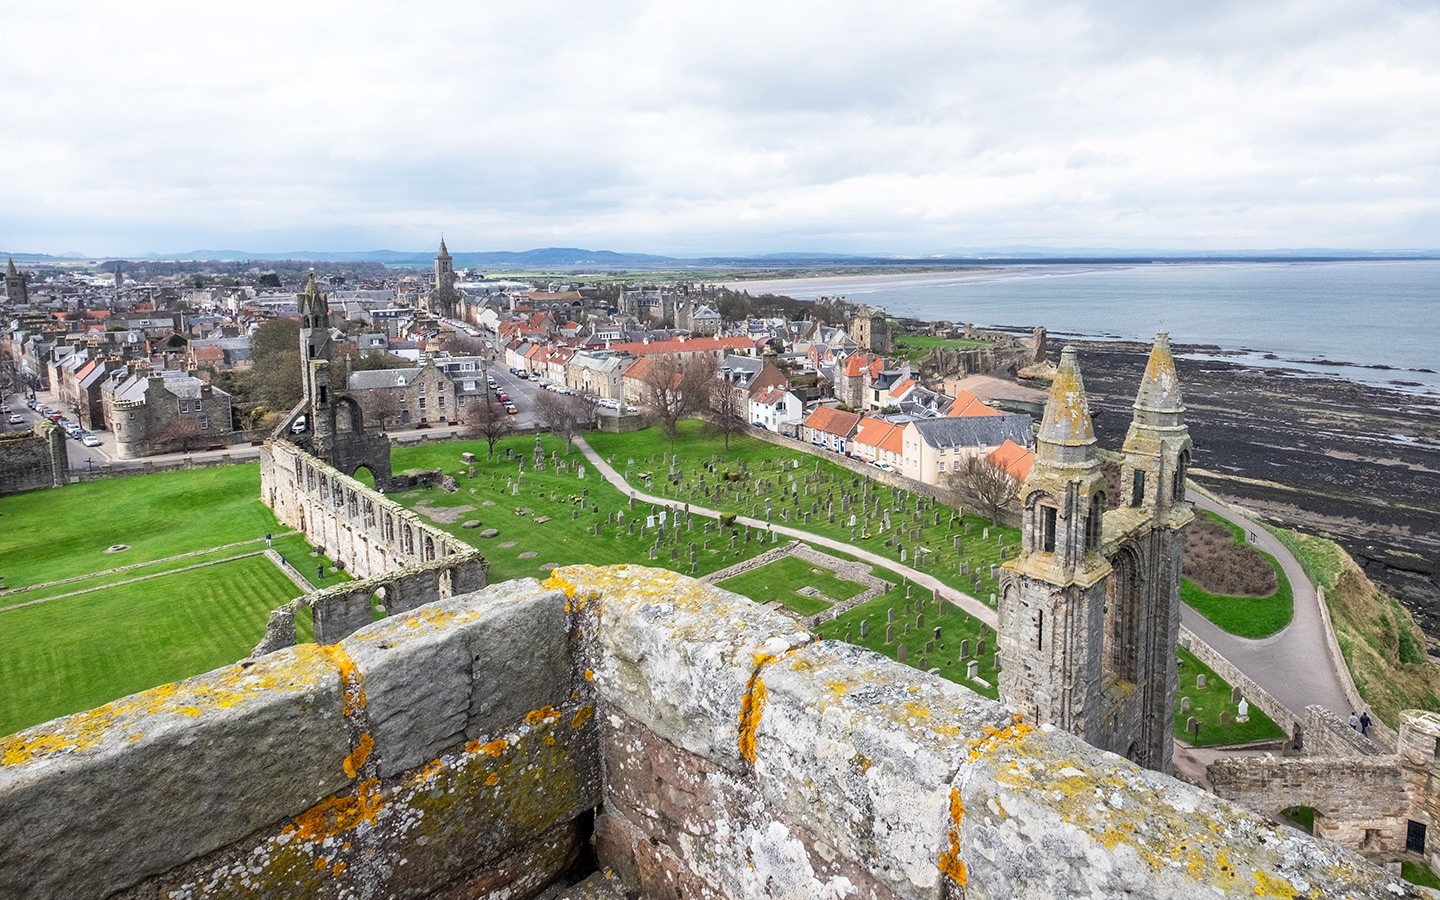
(976, 431)
(382, 378)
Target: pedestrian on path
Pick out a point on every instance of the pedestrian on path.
(1365, 723)
(268, 538)
(320, 573)
(1354, 720)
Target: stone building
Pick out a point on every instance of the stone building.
(32, 460)
(409, 396)
(163, 412)
(16, 291)
(1090, 610)
(330, 423)
(869, 329)
(444, 300)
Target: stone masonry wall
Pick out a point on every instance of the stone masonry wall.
(362, 528)
(1358, 801)
(33, 460)
(460, 749)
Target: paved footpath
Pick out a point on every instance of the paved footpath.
(964, 601)
(1295, 665)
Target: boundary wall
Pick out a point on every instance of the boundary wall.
(353, 524)
(472, 746)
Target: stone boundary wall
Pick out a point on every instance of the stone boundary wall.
(460, 750)
(353, 524)
(152, 466)
(848, 570)
(33, 460)
(1383, 734)
(1326, 734)
(1008, 516)
(1249, 689)
(1350, 795)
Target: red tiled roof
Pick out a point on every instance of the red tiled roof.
(833, 421)
(1014, 459)
(873, 431)
(967, 404)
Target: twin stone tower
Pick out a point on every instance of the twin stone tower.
(1090, 610)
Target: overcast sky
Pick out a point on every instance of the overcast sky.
(683, 128)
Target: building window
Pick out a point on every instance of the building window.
(1047, 528)
(1137, 495)
(422, 402)
(184, 406)
(204, 422)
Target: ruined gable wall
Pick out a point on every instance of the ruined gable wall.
(33, 460)
(459, 748)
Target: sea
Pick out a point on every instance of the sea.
(1375, 322)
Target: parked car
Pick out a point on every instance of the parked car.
(511, 408)
(16, 420)
(502, 396)
(4, 407)
(90, 440)
(883, 466)
(609, 404)
(31, 403)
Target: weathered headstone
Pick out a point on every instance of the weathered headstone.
(889, 634)
(890, 614)
(972, 669)
(1200, 682)
(1235, 694)
(1192, 726)
(1225, 717)
(901, 652)
(864, 628)
(1184, 705)
(965, 649)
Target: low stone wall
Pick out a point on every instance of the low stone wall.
(1326, 734)
(33, 460)
(459, 750)
(1249, 689)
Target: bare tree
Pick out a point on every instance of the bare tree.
(987, 485)
(181, 432)
(564, 416)
(488, 422)
(378, 404)
(729, 406)
(671, 389)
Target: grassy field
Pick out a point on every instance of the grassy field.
(1206, 705)
(526, 546)
(1383, 647)
(49, 535)
(782, 580)
(1248, 617)
(815, 481)
(66, 655)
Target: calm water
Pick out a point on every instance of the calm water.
(1366, 313)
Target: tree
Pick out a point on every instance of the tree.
(275, 375)
(564, 416)
(487, 421)
(729, 408)
(987, 485)
(181, 432)
(671, 389)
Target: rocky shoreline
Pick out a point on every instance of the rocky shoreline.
(1356, 463)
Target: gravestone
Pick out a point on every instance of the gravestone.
(972, 669)
(890, 614)
(923, 664)
(937, 632)
(929, 646)
(907, 628)
(920, 620)
(1244, 711)
(1225, 717)
(980, 647)
(889, 634)
(1192, 726)
(1184, 705)
(965, 649)
(901, 652)
(1235, 694)
(864, 628)
(1200, 682)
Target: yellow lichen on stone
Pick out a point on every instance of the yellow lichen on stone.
(542, 716)
(556, 583)
(357, 757)
(752, 705)
(950, 862)
(337, 814)
(993, 737)
(1267, 885)
(492, 779)
(582, 715)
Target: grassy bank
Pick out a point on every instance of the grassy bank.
(1383, 647)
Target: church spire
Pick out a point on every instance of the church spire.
(10, 268)
(444, 253)
(1160, 388)
(1067, 411)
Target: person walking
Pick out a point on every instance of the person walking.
(268, 538)
(1354, 720)
(320, 573)
(1365, 723)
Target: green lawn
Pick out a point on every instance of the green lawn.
(67, 655)
(1418, 874)
(782, 579)
(802, 482)
(568, 538)
(49, 535)
(955, 626)
(1248, 617)
(1206, 705)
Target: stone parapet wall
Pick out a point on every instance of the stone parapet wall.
(1249, 689)
(1326, 734)
(460, 749)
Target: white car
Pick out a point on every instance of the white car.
(883, 466)
(16, 420)
(90, 440)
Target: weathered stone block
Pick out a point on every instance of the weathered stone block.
(178, 770)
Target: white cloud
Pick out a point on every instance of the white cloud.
(748, 126)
